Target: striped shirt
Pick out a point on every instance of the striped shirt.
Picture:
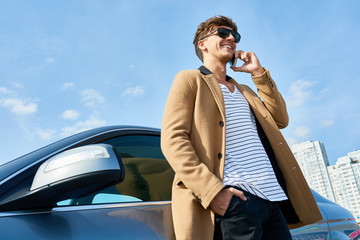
(246, 163)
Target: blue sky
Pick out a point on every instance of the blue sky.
(67, 66)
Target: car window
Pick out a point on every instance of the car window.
(148, 176)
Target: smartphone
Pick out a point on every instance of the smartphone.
(233, 61)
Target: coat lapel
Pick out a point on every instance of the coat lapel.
(255, 102)
(219, 99)
(249, 97)
(216, 92)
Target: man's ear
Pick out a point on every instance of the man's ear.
(202, 47)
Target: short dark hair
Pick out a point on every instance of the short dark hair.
(207, 26)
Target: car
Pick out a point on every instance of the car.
(337, 224)
(111, 182)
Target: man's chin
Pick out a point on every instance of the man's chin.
(226, 59)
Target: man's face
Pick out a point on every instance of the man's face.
(217, 48)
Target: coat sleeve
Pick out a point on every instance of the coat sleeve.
(272, 98)
(176, 143)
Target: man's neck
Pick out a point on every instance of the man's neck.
(218, 69)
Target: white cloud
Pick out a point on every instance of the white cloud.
(80, 126)
(67, 85)
(17, 85)
(4, 90)
(46, 134)
(302, 132)
(326, 123)
(92, 97)
(299, 92)
(18, 106)
(50, 60)
(134, 91)
(291, 141)
(70, 114)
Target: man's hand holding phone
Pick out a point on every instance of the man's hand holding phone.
(233, 61)
(251, 63)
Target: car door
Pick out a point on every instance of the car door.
(136, 208)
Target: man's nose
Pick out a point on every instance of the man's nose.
(231, 37)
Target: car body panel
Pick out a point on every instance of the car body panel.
(138, 207)
(337, 223)
(112, 221)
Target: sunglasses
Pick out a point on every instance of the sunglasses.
(224, 33)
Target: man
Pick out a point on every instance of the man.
(233, 168)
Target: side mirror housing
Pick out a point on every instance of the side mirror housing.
(70, 174)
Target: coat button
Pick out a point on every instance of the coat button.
(221, 123)
(220, 156)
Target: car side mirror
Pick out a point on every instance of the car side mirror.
(70, 174)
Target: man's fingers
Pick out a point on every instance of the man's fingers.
(251, 63)
(242, 68)
(238, 193)
(238, 54)
(244, 56)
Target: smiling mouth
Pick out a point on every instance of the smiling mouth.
(227, 46)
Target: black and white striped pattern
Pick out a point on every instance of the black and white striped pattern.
(246, 162)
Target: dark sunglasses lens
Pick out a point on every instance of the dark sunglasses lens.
(223, 32)
(237, 37)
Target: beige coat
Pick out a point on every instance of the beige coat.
(193, 141)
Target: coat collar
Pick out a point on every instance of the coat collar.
(214, 88)
(205, 71)
(216, 91)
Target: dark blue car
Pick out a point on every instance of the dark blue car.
(110, 183)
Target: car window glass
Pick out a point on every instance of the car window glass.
(110, 198)
(148, 176)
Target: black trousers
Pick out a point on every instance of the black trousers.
(255, 218)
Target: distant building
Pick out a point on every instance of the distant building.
(313, 161)
(345, 177)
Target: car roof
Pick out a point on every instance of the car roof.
(15, 165)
